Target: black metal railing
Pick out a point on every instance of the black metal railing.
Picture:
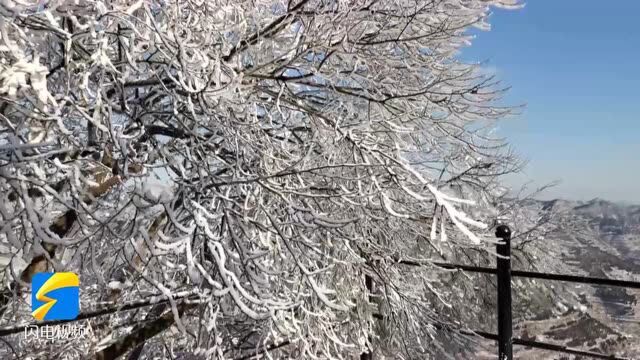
(504, 273)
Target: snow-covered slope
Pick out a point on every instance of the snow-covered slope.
(596, 238)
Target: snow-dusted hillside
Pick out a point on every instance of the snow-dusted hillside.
(595, 238)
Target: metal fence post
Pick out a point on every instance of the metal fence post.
(505, 348)
(368, 281)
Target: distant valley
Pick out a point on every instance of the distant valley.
(595, 238)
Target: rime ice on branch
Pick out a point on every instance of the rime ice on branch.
(296, 148)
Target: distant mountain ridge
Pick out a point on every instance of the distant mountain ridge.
(608, 217)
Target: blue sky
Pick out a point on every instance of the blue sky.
(576, 66)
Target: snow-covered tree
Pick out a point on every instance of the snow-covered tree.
(253, 171)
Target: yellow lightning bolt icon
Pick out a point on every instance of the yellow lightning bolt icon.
(57, 281)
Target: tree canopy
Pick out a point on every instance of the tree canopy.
(254, 170)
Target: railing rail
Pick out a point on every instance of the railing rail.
(503, 337)
(577, 279)
(531, 274)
